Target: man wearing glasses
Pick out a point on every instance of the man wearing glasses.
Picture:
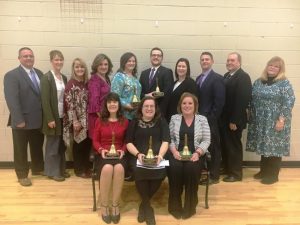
(22, 95)
(157, 75)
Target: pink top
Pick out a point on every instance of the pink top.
(97, 89)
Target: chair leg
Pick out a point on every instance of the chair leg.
(206, 191)
(94, 188)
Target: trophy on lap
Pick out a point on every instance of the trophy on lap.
(157, 93)
(149, 159)
(112, 154)
(135, 101)
(185, 153)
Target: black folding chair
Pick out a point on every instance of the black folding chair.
(94, 158)
(205, 172)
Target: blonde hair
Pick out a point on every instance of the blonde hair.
(281, 74)
(185, 95)
(83, 64)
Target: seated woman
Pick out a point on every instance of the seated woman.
(185, 174)
(148, 123)
(110, 129)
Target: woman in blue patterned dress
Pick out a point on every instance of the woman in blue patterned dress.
(270, 119)
(126, 84)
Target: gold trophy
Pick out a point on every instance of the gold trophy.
(149, 159)
(135, 101)
(112, 154)
(157, 93)
(185, 153)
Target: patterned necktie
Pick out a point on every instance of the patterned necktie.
(34, 81)
(200, 80)
(151, 76)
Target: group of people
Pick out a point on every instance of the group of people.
(132, 115)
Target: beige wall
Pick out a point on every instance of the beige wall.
(257, 29)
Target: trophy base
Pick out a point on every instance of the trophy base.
(157, 94)
(112, 156)
(149, 162)
(135, 104)
(185, 157)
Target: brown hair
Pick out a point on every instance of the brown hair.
(124, 59)
(185, 95)
(97, 61)
(139, 113)
(105, 113)
(186, 61)
(54, 53)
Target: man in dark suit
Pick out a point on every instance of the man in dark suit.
(156, 75)
(234, 117)
(211, 97)
(22, 95)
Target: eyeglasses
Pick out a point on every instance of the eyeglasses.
(149, 106)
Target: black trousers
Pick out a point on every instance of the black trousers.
(232, 151)
(214, 149)
(81, 154)
(183, 175)
(270, 167)
(146, 189)
(21, 139)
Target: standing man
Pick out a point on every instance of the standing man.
(234, 117)
(211, 97)
(157, 72)
(22, 95)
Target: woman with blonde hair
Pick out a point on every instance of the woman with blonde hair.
(75, 118)
(270, 119)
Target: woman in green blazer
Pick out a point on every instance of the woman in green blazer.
(52, 92)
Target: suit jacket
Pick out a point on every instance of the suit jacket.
(238, 95)
(211, 96)
(23, 100)
(165, 81)
(50, 104)
(171, 99)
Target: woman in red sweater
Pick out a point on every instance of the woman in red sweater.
(110, 129)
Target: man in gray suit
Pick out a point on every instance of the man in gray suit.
(22, 95)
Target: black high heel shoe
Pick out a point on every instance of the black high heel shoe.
(106, 218)
(114, 217)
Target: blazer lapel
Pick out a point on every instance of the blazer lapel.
(28, 80)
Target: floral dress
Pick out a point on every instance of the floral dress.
(126, 86)
(268, 103)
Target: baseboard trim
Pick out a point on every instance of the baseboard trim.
(255, 164)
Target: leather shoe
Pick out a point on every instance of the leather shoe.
(210, 182)
(25, 182)
(83, 175)
(66, 174)
(57, 178)
(258, 175)
(141, 214)
(231, 179)
(269, 180)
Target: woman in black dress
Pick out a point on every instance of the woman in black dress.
(148, 123)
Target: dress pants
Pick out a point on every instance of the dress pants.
(81, 154)
(214, 149)
(55, 160)
(232, 151)
(21, 138)
(183, 175)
